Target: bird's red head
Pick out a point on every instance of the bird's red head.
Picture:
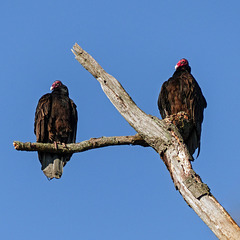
(182, 62)
(56, 84)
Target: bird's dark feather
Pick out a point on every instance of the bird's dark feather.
(182, 93)
(55, 121)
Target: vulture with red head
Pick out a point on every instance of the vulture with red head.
(181, 93)
(55, 122)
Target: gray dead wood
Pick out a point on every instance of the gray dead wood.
(167, 141)
(82, 146)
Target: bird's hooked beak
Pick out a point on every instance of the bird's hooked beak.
(176, 67)
(51, 88)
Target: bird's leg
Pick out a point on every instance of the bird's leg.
(51, 137)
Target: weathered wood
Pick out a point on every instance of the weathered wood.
(169, 144)
(82, 146)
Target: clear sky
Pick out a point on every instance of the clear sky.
(119, 192)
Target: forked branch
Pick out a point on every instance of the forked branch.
(167, 141)
(163, 137)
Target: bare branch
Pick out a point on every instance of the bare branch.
(185, 126)
(167, 141)
(82, 146)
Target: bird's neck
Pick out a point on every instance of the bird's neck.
(182, 69)
(61, 91)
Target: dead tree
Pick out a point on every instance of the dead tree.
(163, 137)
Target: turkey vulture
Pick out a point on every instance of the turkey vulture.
(55, 122)
(181, 93)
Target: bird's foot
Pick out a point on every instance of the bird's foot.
(55, 145)
(64, 145)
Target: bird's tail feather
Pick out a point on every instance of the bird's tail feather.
(193, 142)
(52, 165)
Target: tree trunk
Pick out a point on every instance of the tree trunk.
(169, 144)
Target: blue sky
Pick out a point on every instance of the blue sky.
(116, 192)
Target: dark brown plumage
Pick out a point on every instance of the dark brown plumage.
(181, 93)
(55, 122)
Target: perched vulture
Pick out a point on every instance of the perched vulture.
(55, 122)
(181, 93)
